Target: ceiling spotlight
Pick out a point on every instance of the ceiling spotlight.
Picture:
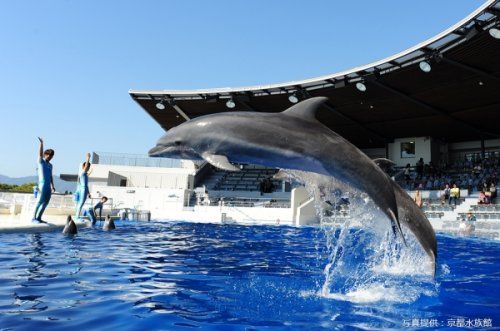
(360, 86)
(425, 66)
(230, 103)
(495, 33)
(160, 105)
(480, 83)
(293, 98)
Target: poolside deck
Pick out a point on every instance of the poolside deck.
(17, 223)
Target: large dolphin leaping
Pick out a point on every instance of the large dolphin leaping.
(292, 139)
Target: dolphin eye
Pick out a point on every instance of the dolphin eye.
(177, 142)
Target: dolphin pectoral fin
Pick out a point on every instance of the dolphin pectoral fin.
(219, 161)
(398, 226)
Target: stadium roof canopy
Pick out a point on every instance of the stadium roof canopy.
(457, 100)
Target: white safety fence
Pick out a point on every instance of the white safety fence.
(16, 203)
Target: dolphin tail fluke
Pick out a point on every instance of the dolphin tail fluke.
(395, 220)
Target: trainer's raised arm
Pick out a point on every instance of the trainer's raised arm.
(40, 152)
(87, 163)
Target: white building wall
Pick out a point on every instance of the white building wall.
(141, 177)
(422, 150)
(158, 201)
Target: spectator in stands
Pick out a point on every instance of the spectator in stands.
(454, 194)
(468, 174)
(470, 184)
(446, 194)
(487, 195)
(470, 218)
(493, 191)
(420, 168)
(477, 169)
(266, 186)
(428, 185)
(482, 198)
(436, 183)
(407, 173)
(467, 225)
(418, 199)
(432, 169)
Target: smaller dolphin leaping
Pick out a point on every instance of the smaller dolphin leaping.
(70, 227)
(292, 139)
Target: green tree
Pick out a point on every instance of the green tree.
(24, 188)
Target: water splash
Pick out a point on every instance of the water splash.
(365, 261)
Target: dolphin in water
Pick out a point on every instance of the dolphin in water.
(292, 139)
(410, 215)
(109, 224)
(70, 227)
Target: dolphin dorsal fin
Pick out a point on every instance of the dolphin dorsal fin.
(306, 109)
(219, 161)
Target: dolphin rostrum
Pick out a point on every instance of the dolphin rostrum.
(292, 139)
(70, 227)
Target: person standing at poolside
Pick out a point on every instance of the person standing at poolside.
(82, 191)
(45, 181)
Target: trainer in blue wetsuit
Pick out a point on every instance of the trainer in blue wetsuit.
(45, 182)
(83, 187)
(92, 212)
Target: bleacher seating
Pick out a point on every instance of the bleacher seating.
(481, 216)
(438, 208)
(486, 208)
(434, 214)
(251, 202)
(248, 179)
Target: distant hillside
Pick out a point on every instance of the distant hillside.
(60, 185)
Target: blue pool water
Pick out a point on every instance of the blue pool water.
(147, 276)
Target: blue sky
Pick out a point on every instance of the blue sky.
(66, 66)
